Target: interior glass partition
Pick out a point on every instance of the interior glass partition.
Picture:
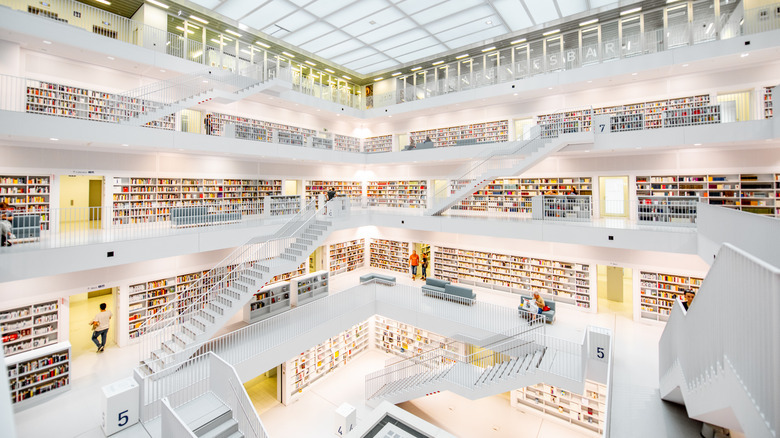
(571, 50)
(631, 29)
(653, 31)
(553, 53)
(590, 45)
(677, 30)
(522, 61)
(610, 42)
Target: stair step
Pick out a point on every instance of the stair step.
(204, 413)
(191, 330)
(200, 322)
(536, 359)
(217, 308)
(526, 363)
(222, 430)
(171, 347)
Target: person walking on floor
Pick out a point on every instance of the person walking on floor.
(100, 327)
(414, 260)
(424, 268)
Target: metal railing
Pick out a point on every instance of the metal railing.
(171, 424)
(193, 378)
(160, 327)
(746, 336)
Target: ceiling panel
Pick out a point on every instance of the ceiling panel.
(268, 14)
(413, 6)
(412, 46)
(356, 11)
(460, 18)
(571, 7)
(237, 9)
(341, 48)
(467, 28)
(353, 55)
(364, 25)
(326, 40)
(387, 31)
(447, 8)
(401, 39)
(296, 20)
(376, 67)
(542, 10)
(430, 51)
(314, 32)
(364, 61)
(323, 8)
(207, 3)
(513, 13)
(301, 2)
(599, 3)
(476, 37)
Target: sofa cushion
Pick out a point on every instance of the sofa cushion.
(459, 291)
(435, 282)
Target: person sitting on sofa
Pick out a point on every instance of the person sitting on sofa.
(539, 301)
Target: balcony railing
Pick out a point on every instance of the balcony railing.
(591, 45)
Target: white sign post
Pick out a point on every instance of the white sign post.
(346, 415)
(120, 405)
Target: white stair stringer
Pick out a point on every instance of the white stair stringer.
(537, 150)
(213, 315)
(154, 113)
(470, 381)
(717, 398)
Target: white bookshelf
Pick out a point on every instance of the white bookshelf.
(346, 143)
(587, 410)
(310, 287)
(315, 363)
(657, 292)
(405, 340)
(38, 375)
(397, 194)
(382, 143)
(389, 254)
(486, 132)
(350, 189)
(767, 105)
(514, 195)
(282, 205)
(67, 101)
(347, 256)
(27, 194)
(267, 302)
(147, 299)
(560, 281)
(29, 327)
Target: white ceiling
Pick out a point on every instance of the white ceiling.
(374, 35)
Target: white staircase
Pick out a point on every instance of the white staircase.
(502, 161)
(169, 96)
(200, 311)
(208, 417)
(519, 360)
(721, 357)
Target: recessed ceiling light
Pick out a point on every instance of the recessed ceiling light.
(233, 33)
(288, 54)
(199, 19)
(515, 94)
(634, 74)
(518, 41)
(346, 77)
(54, 139)
(338, 115)
(310, 63)
(550, 88)
(179, 149)
(462, 56)
(396, 73)
(259, 43)
(489, 49)
(590, 82)
(192, 25)
(685, 65)
(218, 41)
(630, 11)
(744, 55)
(104, 2)
(438, 62)
(46, 42)
(378, 79)
(329, 70)
(205, 81)
(389, 116)
(246, 51)
(585, 23)
(162, 71)
(416, 68)
(110, 58)
(550, 32)
(125, 144)
(156, 3)
(182, 29)
(697, 144)
(488, 22)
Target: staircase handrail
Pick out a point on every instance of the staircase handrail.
(746, 335)
(549, 129)
(433, 359)
(239, 258)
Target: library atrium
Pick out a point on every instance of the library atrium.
(389, 218)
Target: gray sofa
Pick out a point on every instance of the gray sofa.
(198, 215)
(436, 287)
(379, 278)
(26, 227)
(549, 315)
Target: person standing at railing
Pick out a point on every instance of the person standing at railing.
(414, 261)
(207, 124)
(100, 327)
(5, 224)
(689, 295)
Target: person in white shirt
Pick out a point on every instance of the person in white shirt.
(100, 327)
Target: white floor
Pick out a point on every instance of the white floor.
(637, 410)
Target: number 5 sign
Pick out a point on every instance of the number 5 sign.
(598, 346)
(120, 405)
